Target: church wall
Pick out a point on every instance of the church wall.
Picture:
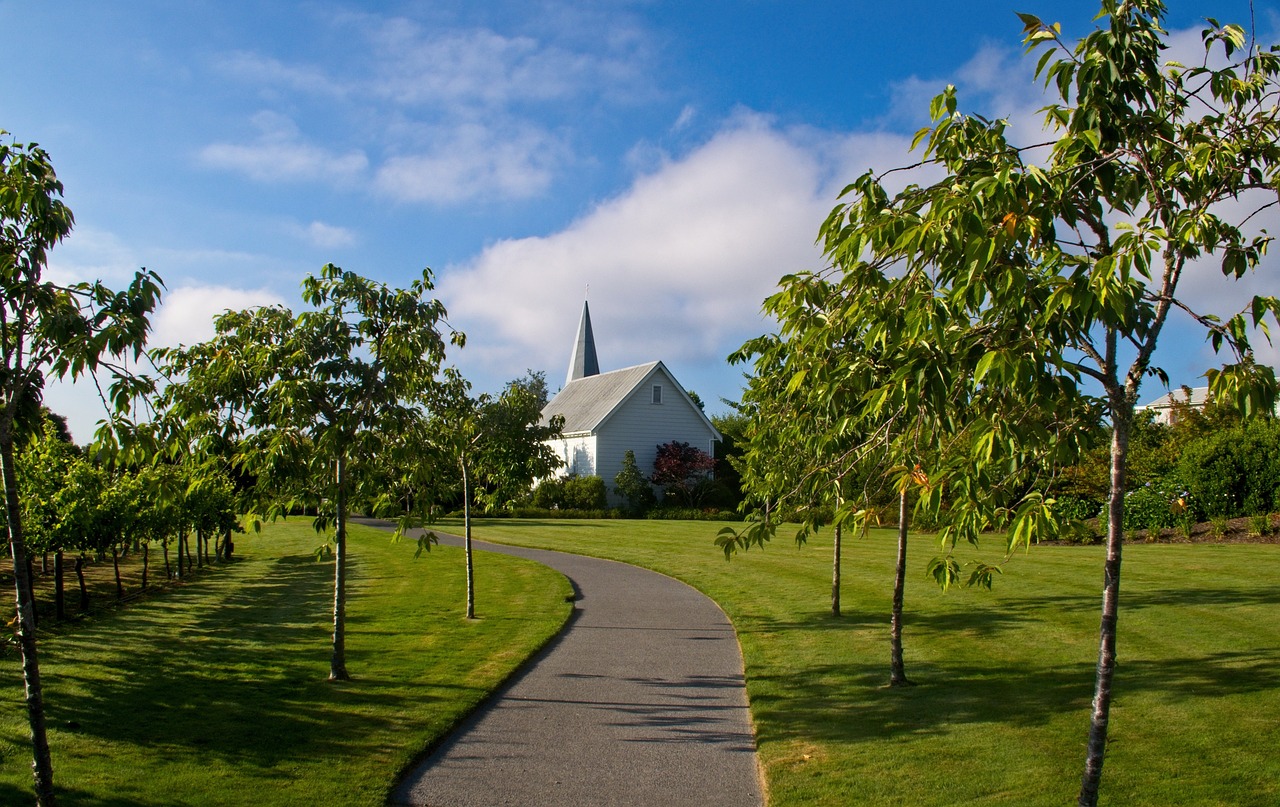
(641, 425)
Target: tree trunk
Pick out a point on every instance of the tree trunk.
(338, 663)
(168, 571)
(466, 541)
(42, 762)
(84, 590)
(227, 546)
(835, 573)
(897, 668)
(182, 539)
(1110, 611)
(146, 557)
(115, 563)
(59, 587)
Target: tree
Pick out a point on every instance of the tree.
(632, 485)
(804, 454)
(317, 400)
(682, 469)
(50, 329)
(1028, 271)
(513, 451)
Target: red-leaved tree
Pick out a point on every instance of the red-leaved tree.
(683, 471)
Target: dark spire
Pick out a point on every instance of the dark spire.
(583, 362)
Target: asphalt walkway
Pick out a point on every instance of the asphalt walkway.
(640, 701)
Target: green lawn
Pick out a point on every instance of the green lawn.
(215, 693)
(1000, 713)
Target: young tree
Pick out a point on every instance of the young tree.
(499, 445)
(633, 486)
(1034, 269)
(49, 329)
(315, 400)
(512, 451)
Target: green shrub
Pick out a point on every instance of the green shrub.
(1076, 508)
(584, 493)
(691, 514)
(549, 494)
(1147, 507)
(1260, 524)
(634, 486)
(570, 493)
(1235, 472)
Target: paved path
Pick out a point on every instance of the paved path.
(640, 701)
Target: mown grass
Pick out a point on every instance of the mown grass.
(214, 693)
(1004, 678)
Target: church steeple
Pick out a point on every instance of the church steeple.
(583, 362)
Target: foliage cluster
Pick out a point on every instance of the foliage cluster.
(683, 472)
(570, 493)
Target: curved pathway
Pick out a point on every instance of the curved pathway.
(640, 701)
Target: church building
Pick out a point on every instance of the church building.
(605, 414)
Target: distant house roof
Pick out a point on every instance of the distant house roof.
(586, 402)
(1195, 398)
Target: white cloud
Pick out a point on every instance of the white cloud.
(462, 112)
(186, 313)
(677, 265)
(474, 162)
(686, 117)
(474, 67)
(265, 70)
(281, 154)
(90, 254)
(325, 236)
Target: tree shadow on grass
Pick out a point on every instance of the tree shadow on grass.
(243, 681)
(850, 703)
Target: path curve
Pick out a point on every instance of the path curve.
(640, 701)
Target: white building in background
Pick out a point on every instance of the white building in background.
(606, 414)
(1164, 405)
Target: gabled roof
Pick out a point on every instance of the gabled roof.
(588, 402)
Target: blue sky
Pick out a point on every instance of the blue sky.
(675, 157)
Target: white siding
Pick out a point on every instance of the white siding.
(578, 455)
(640, 425)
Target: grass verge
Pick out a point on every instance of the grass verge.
(1004, 678)
(215, 693)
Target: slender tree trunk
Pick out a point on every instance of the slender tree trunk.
(466, 532)
(42, 762)
(227, 546)
(835, 573)
(146, 557)
(897, 668)
(182, 539)
(59, 587)
(1106, 669)
(168, 572)
(115, 563)
(44, 563)
(338, 663)
(199, 549)
(84, 590)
